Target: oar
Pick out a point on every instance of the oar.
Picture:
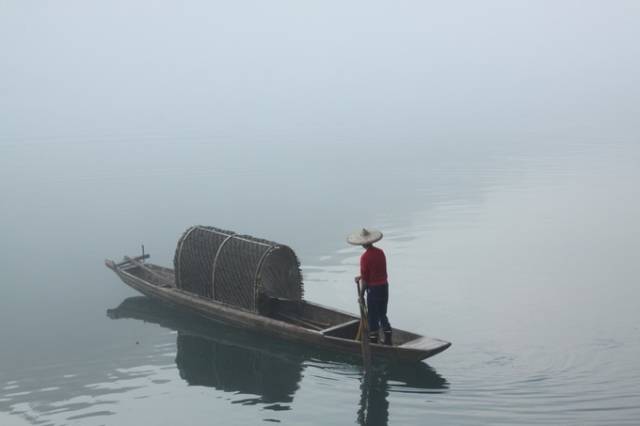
(364, 328)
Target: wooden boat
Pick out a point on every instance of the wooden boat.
(206, 350)
(256, 285)
(303, 321)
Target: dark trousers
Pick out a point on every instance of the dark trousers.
(377, 300)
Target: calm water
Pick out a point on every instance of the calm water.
(523, 258)
(495, 143)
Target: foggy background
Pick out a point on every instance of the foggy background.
(496, 144)
(316, 72)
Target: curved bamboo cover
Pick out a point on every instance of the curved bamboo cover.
(235, 269)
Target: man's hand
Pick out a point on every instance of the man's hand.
(361, 285)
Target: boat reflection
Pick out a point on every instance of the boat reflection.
(214, 355)
(203, 362)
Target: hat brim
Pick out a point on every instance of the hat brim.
(357, 239)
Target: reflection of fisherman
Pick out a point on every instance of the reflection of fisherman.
(373, 278)
(374, 401)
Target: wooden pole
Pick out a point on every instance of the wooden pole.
(364, 328)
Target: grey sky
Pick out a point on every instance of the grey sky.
(314, 71)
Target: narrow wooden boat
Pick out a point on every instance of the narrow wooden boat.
(273, 309)
(207, 349)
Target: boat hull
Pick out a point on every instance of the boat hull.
(416, 347)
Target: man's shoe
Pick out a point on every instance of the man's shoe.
(387, 338)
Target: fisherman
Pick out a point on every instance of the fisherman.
(373, 279)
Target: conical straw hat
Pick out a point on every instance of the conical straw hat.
(364, 236)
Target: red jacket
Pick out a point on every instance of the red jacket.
(373, 267)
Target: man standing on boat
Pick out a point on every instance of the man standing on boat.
(373, 279)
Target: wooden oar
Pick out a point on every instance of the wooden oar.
(364, 330)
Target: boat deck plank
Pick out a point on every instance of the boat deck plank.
(424, 344)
